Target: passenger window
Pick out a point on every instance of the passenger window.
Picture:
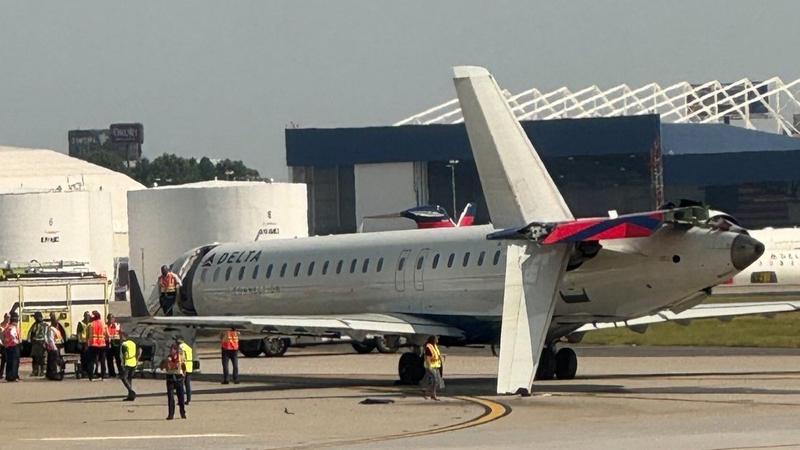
(365, 266)
(216, 273)
(228, 273)
(401, 264)
(339, 267)
(283, 270)
(203, 275)
(466, 259)
(269, 270)
(311, 268)
(296, 269)
(380, 264)
(353, 265)
(435, 262)
(420, 260)
(480, 258)
(241, 273)
(325, 268)
(451, 259)
(255, 271)
(496, 258)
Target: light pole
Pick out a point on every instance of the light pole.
(452, 166)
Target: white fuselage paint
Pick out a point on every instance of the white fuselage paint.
(411, 272)
(775, 275)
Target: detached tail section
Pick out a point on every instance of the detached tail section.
(518, 192)
(516, 184)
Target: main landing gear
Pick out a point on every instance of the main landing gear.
(562, 364)
(411, 368)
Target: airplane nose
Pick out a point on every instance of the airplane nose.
(745, 251)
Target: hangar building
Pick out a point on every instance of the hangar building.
(731, 145)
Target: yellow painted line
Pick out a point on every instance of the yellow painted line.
(492, 411)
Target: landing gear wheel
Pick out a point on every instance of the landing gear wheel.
(383, 345)
(547, 365)
(411, 368)
(251, 348)
(274, 347)
(364, 346)
(566, 364)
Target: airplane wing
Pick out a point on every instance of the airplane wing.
(353, 325)
(720, 311)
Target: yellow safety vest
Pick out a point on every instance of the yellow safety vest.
(436, 356)
(129, 349)
(187, 356)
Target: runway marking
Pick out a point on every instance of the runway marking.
(127, 438)
(492, 411)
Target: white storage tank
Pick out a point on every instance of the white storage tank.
(50, 227)
(167, 221)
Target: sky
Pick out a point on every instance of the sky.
(224, 79)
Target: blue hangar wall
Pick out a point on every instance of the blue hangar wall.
(599, 164)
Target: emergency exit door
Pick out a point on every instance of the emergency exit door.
(400, 271)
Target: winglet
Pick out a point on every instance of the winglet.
(516, 184)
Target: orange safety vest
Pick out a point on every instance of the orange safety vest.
(97, 335)
(11, 336)
(168, 283)
(230, 340)
(113, 331)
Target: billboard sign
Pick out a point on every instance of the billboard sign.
(132, 133)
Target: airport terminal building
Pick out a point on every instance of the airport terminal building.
(712, 147)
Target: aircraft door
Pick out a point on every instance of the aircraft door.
(400, 271)
(419, 269)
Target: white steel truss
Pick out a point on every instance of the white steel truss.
(770, 105)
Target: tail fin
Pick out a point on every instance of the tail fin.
(429, 217)
(516, 184)
(138, 304)
(467, 217)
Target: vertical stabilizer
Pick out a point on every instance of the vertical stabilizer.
(516, 184)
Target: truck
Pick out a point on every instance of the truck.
(67, 292)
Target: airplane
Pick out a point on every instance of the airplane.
(430, 216)
(532, 277)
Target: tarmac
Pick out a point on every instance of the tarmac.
(623, 397)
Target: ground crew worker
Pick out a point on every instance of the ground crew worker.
(113, 351)
(52, 343)
(168, 284)
(230, 352)
(98, 341)
(188, 358)
(83, 342)
(174, 366)
(3, 326)
(130, 358)
(11, 341)
(433, 368)
(37, 336)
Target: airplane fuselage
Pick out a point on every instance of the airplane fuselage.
(453, 275)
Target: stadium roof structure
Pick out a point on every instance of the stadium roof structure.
(770, 105)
